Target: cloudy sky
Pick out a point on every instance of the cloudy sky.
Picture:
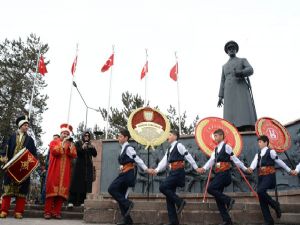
(268, 32)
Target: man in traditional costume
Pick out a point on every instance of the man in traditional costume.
(221, 159)
(174, 158)
(17, 142)
(265, 161)
(118, 189)
(62, 151)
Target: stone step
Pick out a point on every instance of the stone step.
(37, 211)
(40, 214)
(154, 212)
(190, 206)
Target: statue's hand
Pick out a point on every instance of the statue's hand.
(238, 73)
(220, 102)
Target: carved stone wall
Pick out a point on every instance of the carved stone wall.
(107, 165)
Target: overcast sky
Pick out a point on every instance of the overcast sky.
(268, 32)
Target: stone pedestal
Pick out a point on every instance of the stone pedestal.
(102, 209)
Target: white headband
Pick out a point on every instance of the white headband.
(22, 122)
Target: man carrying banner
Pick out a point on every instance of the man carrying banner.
(175, 157)
(17, 142)
(62, 151)
(265, 161)
(221, 160)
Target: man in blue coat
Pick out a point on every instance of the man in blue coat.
(18, 140)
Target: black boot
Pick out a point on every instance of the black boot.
(129, 208)
(277, 209)
(126, 221)
(226, 223)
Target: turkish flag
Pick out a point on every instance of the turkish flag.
(42, 66)
(73, 69)
(108, 64)
(144, 70)
(174, 72)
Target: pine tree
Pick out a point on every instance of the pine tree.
(18, 59)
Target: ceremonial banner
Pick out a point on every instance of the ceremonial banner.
(280, 139)
(148, 126)
(205, 139)
(21, 166)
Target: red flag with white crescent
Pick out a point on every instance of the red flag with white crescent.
(144, 70)
(108, 64)
(174, 72)
(42, 66)
(73, 69)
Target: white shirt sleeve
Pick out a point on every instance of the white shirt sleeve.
(132, 154)
(182, 150)
(162, 164)
(235, 159)
(210, 162)
(279, 161)
(254, 162)
(298, 168)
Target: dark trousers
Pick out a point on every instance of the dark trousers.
(168, 187)
(265, 200)
(118, 189)
(216, 188)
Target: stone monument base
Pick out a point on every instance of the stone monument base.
(102, 209)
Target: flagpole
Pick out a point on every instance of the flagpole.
(145, 103)
(178, 94)
(70, 99)
(109, 97)
(34, 81)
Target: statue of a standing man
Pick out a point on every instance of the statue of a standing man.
(235, 90)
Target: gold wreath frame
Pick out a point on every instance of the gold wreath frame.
(143, 141)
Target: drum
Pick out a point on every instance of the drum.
(21, 166)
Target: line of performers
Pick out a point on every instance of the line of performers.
(220, 160)
(62, 151)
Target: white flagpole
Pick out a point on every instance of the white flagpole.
(145, 103)
(109, 96)
(73, 76)
(34, 81)
(178, 95)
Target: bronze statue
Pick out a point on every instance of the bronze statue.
(235, 90)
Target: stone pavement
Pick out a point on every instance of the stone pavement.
(40, 221)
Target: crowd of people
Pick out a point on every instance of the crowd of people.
(66, 176)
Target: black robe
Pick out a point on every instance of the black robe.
(10, 187)
(82, 174)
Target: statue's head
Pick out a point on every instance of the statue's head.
(231, 48)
